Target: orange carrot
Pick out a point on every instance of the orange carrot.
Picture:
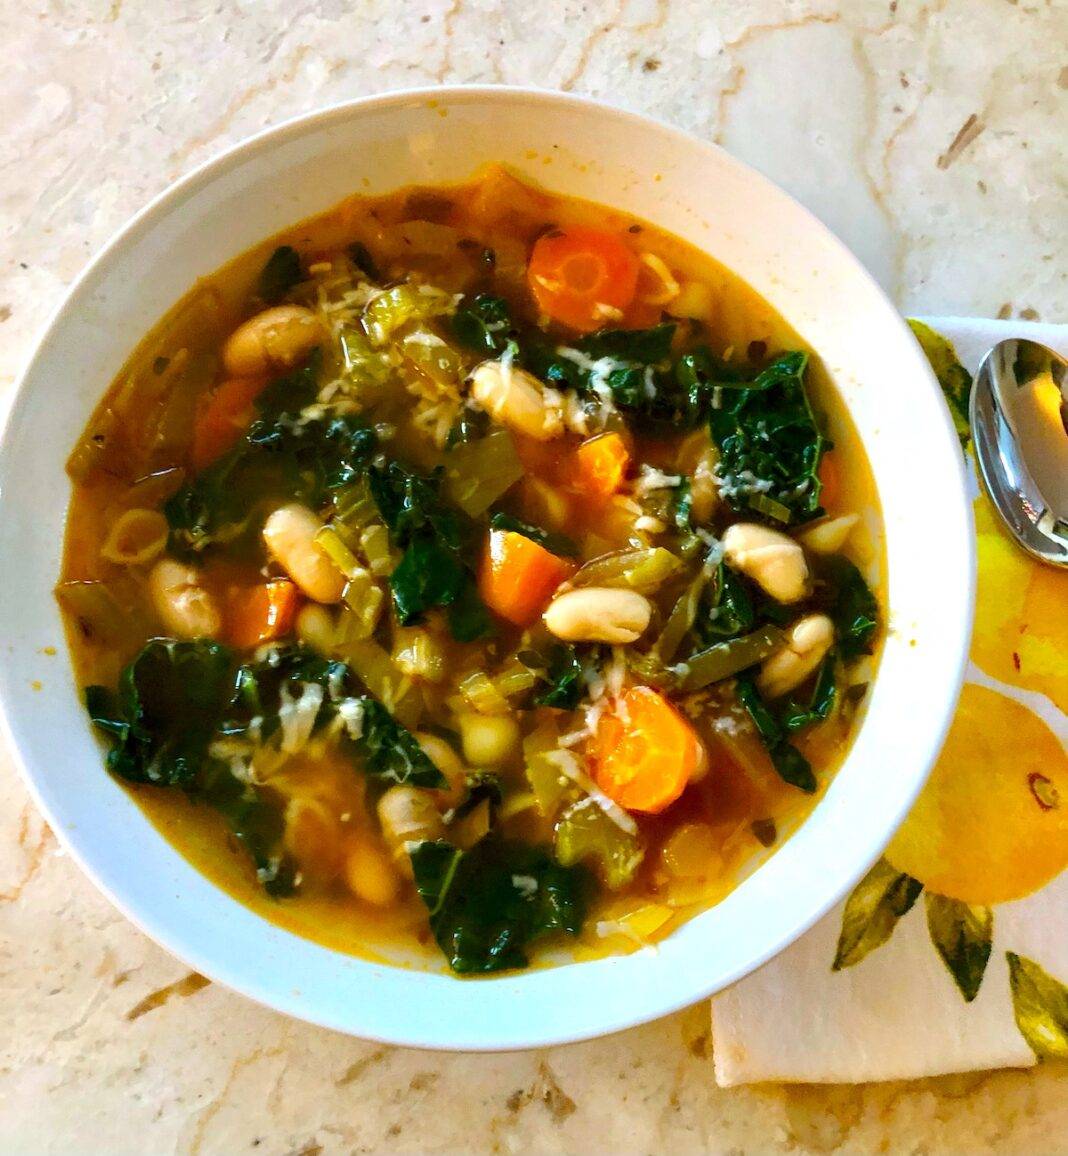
(585, 278)
(260, 613)
(600, 466)
(645, 753)
(222, 417)
(830, 481)
(517, 576)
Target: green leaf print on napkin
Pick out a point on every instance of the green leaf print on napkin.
(963, 935)
(1040, 1004)
(872, 911)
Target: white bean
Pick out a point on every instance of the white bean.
(438, 751)
(408, 815)
(771, 559)
(184, 607)
(290, 537)
(829, 535)
(369, 874)
(278, 338)
(488, 740)
(599, 614)
(806, 644)
(518, 400)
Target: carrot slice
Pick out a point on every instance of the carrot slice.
(517, 577)
(585, 278)
(600, 466)
(260, 613)
(222, 417)
(645, 753)
(830, 482)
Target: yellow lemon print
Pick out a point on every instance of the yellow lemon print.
(1021, 614)
(992, 823)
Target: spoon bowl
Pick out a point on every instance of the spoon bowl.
(1019, 416)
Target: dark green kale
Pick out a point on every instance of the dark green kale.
(559, 544)
(789, 762)
(795, 716)
(561, 674)
(847, 598)
(484, 324)
(164, 715)
(389, 751)
(281, 458)
(769, 444)
(636, 360)
(279, 275)
(726, 608)
(488, 904)
(432, 571)
(361, 257)
(256, 821)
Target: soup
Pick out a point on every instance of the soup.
(473, 574)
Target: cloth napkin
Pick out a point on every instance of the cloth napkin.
(897, 1014)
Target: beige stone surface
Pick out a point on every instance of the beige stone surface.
(931, 136)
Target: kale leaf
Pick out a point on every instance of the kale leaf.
(726, 608)
(562, 674)
(486, 905)
(389, 750)
(256, 821)
(769, 444)
(849, 601)
(432, 571)
(484, 324)
(632, 357)
(279, 275)
(280, 459)
(361, 257)
(559, 544)
(789, 762)
(165, 711)
(795, 716)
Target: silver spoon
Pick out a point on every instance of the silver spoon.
(1019, 416)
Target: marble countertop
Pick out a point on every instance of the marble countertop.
(929, 135)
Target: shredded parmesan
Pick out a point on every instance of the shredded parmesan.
(297, 716)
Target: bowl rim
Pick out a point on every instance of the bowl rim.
(551, 1032)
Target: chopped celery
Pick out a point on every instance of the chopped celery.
(549, 785)
(681, 618)
(364, 364)
(416, 652)
(330, 542)
(364, 601)
(388, 311)
(481, 693)
(586, 832)
(354, 507)
(374, 541)
(434, 357)
(376, 671)
(514, 679)
(107, 612)
(726, 658)
(643, 570)
(477, 473)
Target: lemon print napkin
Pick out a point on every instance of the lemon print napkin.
(951, 955)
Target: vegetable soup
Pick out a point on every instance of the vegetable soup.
(473, 573)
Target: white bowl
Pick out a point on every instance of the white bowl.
(574, 146)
